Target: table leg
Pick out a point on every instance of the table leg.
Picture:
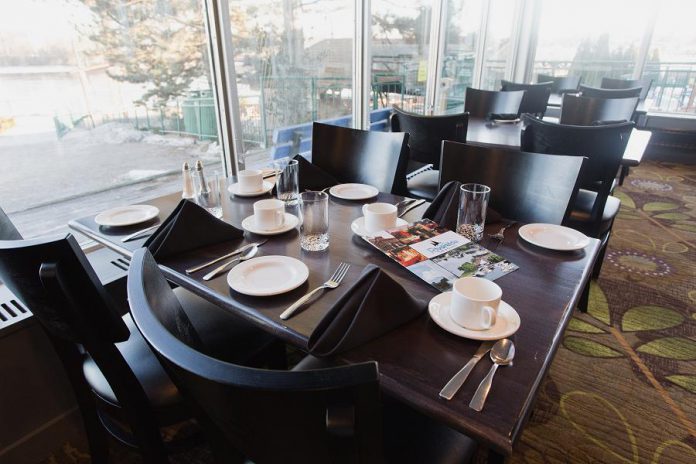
(625, 170)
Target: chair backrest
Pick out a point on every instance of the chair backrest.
(536, 96)
(594, 92)
(324, 415)
(603, 146)
(525, 187)
(481, 103)
(644, 84)
(560, 84)
(587, 111)
(351, 155)
(7, 230)
(426, 133)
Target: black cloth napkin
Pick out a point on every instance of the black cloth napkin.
(375, 305)
(311, 176)
(503, 116)
(444, 207)
(189, 227)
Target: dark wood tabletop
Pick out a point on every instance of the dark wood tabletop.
(508, 134)
(417, 359)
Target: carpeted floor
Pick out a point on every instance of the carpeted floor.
(622, 388)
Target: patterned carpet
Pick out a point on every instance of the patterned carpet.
(622, 388)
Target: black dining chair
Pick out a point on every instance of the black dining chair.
(482, 103)
(379, 159)
(594, 92)
(313, 414)
(525, 187)
(563, 84)
(536, 96)
(8, 231)
(586, 111)
(426, 134)
(612, 83)
(119, 384)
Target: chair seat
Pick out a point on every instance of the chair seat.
(224, 335)
(424, 185)
(580, 216)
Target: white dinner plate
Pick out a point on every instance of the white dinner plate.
(126, 215)
(290, 223)
(353, 191)
(358, 227)
(507, 322)
(267, 275)
(553, 237)
(506, 121)
(234, 189)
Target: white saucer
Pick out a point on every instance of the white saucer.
(358, 227)
(553, 237)
(290, 223)
(234, 189)
(126, 215)
(506, 324)
(354, 191)
(267, 275)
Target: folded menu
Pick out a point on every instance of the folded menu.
(438, 255)
(373, 306)
(187, 228)
(445, 207)
(311, 176)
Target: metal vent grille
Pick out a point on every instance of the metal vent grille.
(11, 309)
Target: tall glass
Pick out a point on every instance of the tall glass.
(473, 203)
(208, 196)
(314, 231)
(287, 182)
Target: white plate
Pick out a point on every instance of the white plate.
(358, 227)
(353, 191)
(126, 215)
(506, 324)
(506, 121)
(553, 237)
(267, 275)
(234, 189)
(290, 223)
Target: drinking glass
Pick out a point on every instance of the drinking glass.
(314, 231)
(473, 203)
(208, 196)
(287, 184)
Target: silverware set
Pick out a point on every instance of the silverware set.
(239, 250)
(499, 236)
(407, 205)
(139, 234)
(501, 354)
(333, 282)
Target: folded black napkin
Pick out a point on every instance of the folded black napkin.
(444, 207)
(311, 176)
(375, 305)
(503, 116)
(187, 228)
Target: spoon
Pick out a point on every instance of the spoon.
(502, 354)
(250, 253)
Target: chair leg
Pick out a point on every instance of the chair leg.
(598, 264)
(625, 171)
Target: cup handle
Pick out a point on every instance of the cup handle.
(363, 209)
(281, 217)
(490, 315)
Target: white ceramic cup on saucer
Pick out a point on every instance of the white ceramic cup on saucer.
(379, 216)
(250, 180)
(269, 214)
(475, 302)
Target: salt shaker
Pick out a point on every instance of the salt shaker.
(187, 191)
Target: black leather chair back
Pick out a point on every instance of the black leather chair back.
(351, 155)
(481, 103)
(594, 92)
(426, 133)
(586, 111)
(560, 84)
(536, 96)
(644, 84)
(525, 187)
(7, 230)
(324, 415)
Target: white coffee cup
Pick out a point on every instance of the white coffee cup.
(475, 302)
(379, 216)
(269, 214)
(250, 180)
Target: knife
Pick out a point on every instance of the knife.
(228, 255)
(137, 234)
(412, 205)
(459, 378)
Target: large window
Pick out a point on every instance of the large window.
(498, 50)
(100, 104)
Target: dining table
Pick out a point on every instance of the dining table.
(417, 358)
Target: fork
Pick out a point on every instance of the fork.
(500, 235)
(333, 282)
